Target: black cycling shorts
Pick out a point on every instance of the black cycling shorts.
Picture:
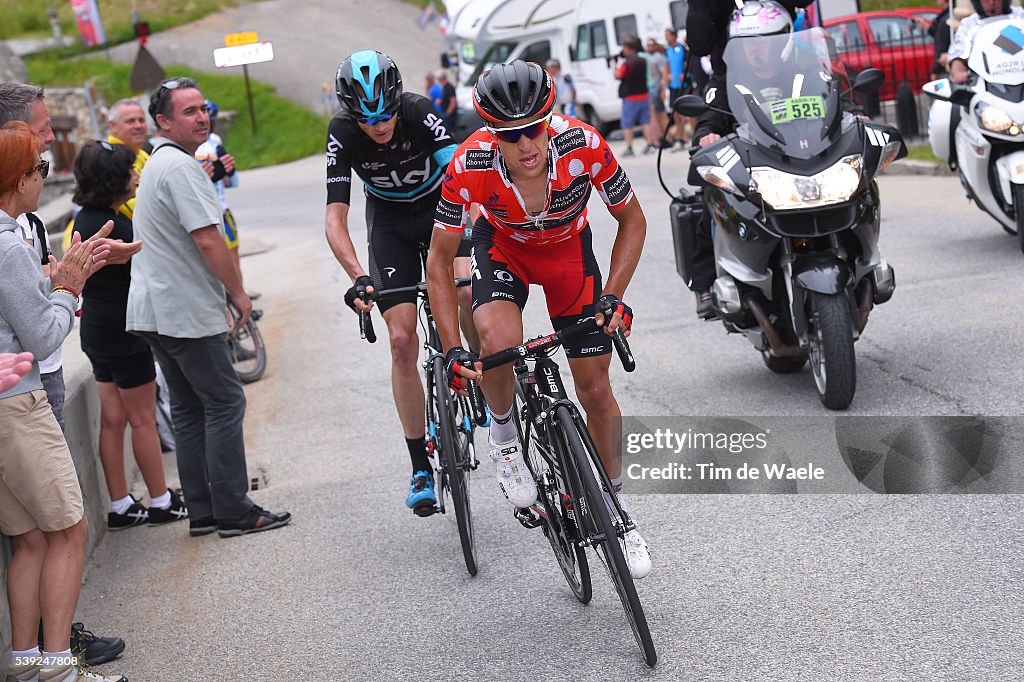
(504, 269)
(396, 233)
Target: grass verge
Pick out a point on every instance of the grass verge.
(287, 131)
(923, 152)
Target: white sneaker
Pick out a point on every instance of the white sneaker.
(79, 673)
(513, 476)
(634, 547)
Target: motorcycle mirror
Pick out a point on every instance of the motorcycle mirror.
(869, 80)
(939, 89)
(689, 105)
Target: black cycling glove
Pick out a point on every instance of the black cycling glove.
(358, 290)
(608, 305)
(458, 355)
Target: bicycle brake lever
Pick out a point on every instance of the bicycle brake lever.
(623, 351)
(366, 327)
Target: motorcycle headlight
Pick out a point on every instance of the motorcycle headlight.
(993, 118)
(784, 191)
(719, 177)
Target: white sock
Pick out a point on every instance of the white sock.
(503, 432)
(162, 502)
(27, 653)
(50, 658)
(121, 506)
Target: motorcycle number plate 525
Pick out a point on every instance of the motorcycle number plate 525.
(797, 108)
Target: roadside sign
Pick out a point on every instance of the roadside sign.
(244, 38)
(239, 55)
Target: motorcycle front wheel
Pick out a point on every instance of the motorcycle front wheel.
(833, 362)
(1018, 208)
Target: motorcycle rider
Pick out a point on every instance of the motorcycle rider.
(708, 26)
(960, 49)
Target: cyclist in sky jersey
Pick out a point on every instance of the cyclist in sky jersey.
(532, 171)
(399, 147)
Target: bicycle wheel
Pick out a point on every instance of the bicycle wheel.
(456, 458)
(559, 521)
(248, 354)
(615, 560)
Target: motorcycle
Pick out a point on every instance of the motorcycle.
(794, 208)
(978, 128)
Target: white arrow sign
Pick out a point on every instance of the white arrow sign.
(240, 55)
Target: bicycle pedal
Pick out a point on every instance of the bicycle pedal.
(425, 510)
(256, 314)
(527, 517)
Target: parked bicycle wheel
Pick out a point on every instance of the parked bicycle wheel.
(598, 513)
(245, 345)
(454, 438)
(555, 496)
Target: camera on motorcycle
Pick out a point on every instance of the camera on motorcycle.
(869, 80)
(689, 105)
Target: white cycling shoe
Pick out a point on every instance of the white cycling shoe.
(634, 547)
(513, 476)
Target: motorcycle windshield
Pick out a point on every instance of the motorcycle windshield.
(997, 51)
(784, 90)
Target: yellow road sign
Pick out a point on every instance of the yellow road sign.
(245, 38)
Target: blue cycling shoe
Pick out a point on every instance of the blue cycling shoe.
(421, 494)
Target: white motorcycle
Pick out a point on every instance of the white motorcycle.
(978, 128)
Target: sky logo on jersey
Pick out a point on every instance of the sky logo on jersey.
(436, 125)
(395, 181)
(333, 147)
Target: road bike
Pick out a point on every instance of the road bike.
(576, 504)
(245, 345)
(450, 421)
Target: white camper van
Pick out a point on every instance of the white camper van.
(584, 35)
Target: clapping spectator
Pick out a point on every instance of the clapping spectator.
(121, 362)
(41, 506)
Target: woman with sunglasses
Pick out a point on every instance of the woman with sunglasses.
(533, 172)
(122, 363)
(399, 146)
(41, 507)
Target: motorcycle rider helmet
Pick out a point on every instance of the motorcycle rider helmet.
(368, 86)
(763, 18)
(983, 14)
(514, 91)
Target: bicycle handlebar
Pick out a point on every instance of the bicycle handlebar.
(541, 344)
(366, 322)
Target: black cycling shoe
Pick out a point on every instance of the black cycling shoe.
(255, 520)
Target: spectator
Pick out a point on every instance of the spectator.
(675, 54)
(430, 90)
(220, 166)
(121, 362)
(41, 505)
(176, 302)
(127, 122)
(449, 106)
(632, 75)
(657, 87)
(13, 367)
(941, 33)
(565, 89)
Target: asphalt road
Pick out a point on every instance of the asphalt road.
(780, 587)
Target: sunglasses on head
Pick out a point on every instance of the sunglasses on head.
(43, 167)
(374, 120)
(171, 85)
(531, 130)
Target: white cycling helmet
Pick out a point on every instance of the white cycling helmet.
(760, 18)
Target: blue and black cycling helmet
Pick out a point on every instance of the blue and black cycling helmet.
(212, 109)
(368, 85)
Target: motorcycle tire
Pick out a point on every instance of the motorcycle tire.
(833, 361)
(1018, 207)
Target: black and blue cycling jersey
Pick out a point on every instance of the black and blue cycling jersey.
(409, 167)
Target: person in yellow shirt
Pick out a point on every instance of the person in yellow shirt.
(127, 122)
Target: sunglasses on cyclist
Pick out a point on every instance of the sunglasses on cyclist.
(531, 130)
(43, 167)
(374, 120)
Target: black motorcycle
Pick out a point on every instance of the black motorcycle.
(794, 207)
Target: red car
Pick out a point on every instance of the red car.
(888, 40)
